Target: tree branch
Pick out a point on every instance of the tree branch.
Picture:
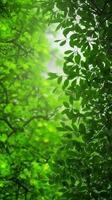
(8, 123)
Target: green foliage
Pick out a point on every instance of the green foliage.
(85, 155)
(37, 161)
(28, 108)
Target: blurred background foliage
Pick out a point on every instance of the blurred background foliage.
(29, 111)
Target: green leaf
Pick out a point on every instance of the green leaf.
(57, 40)
(52, 75)
(66, 83)
(3, 137)
(78, 139)
(82, 129)
(59, 26)
(66, 104)
(78, 29)
(63, 43)
(72, 43)
(59, 80)
(71, 99)
(66, 31)
(54, 90)
(77, 59)
(68, 52)
(60, 128)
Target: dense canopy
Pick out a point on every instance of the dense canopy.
(56, 134)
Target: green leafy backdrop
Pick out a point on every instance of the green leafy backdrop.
(56, 135)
